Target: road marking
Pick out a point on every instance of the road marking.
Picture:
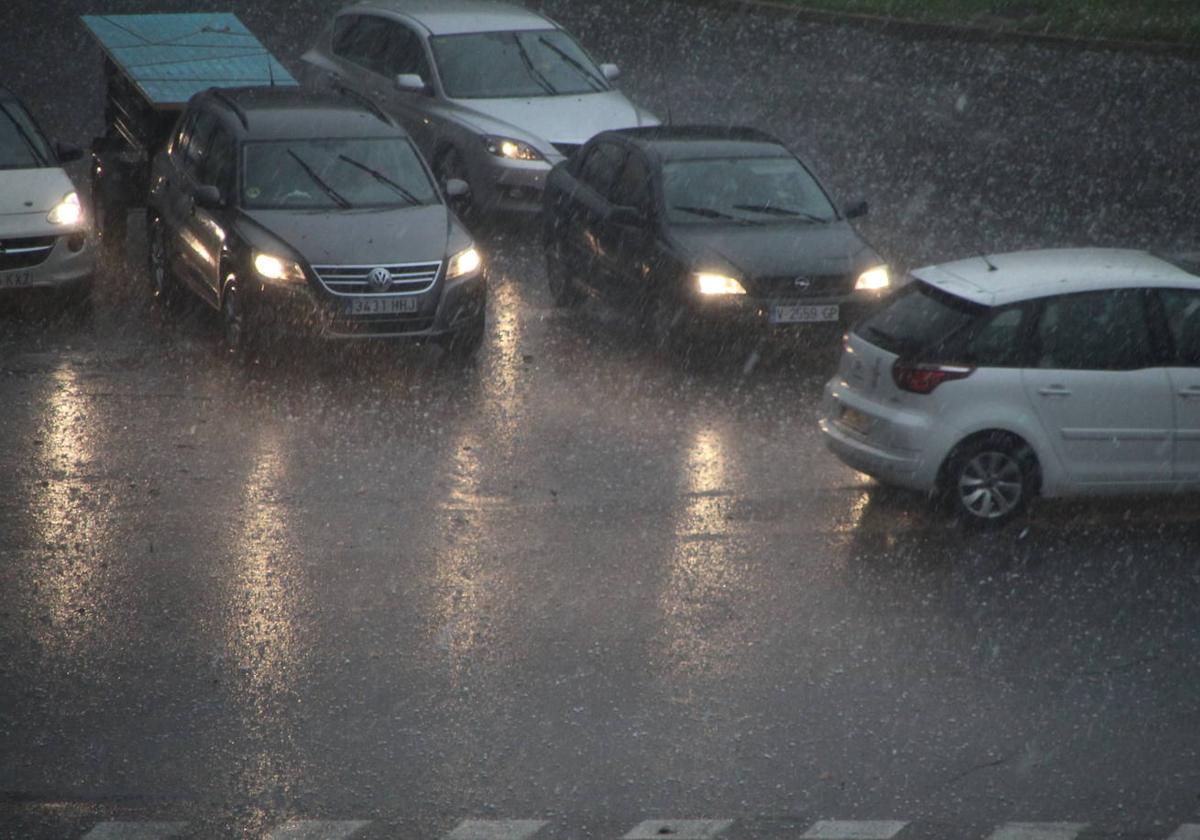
(1188, 831)
(1038, 831)
(317, 830)
(678, 829)
(136, 831)
(854, 830)
(496, 830)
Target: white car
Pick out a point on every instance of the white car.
(45, 239)
(1058, 372)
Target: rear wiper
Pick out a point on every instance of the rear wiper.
(37, 155)
(381, 178)
(534, 73)
(781, 211)
(571, 60)
(330, 191)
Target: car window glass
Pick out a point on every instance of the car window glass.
(218, 168)
(198, 141)
(992, 339)
(343, 34)
(632, 188)
(21, 144)
(1095, 331)
(918, 316)
(180, 140)
(366, 44)
(406, 53)
(760, 190)
(601, 166)
(1182, 308)
(538, 62)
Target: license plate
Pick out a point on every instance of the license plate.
(16, 280)
(381, 306)
(788, 313)
(854, 419)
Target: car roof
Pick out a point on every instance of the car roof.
(1024, 275)
(281, 113)
(457, 17)
(702, 141)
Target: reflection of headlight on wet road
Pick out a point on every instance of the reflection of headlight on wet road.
(873, 279)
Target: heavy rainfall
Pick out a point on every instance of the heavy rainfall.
(580, 581)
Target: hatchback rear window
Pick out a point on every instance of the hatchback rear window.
(918, 317)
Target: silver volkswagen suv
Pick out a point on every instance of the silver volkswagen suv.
(492, 93)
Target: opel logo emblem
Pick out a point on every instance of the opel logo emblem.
(379, 279)
(801, 282)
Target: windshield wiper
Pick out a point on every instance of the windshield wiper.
(381, 178)
(37, 155)
(571, 60)
(330, 191)
(781, 211)
(534, 73)
(709, 213)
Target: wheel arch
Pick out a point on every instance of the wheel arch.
(1015, 439)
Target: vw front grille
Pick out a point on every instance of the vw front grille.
(406, 278)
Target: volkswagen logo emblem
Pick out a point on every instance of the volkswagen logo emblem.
(379, 279)
(801, 282)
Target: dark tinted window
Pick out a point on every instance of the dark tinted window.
(601, 166)
(540, 62)
(1182, 308)
(406, 54)
(1095, 331)
(21, 144)
(995, 338)
(198, 139)
(219, 166)
(364, 42)
(918, 317)
(632, 188)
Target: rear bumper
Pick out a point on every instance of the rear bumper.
(896, 467)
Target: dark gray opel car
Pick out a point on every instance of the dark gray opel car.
(292, 211)
(704, 228)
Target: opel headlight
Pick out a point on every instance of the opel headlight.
(503, 147)
(873, 279)
(270, 267)
(67, 211)
(718, 284)
(464, 262)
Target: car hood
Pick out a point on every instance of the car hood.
(557, 119)
(776, 249)
(25, 191)
(357, 237)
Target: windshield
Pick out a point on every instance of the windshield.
(21, 144)
(495, 65)
(339, 173)
(748, 190)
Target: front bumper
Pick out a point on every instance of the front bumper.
(446, 309)
(506, 186)
(62, 268)
(745, 312)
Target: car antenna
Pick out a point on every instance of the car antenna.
(270, 71)
(987, 262)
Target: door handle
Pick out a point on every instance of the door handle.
(1054, 391)
(1190, 392)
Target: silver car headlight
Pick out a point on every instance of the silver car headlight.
(464, 262)
(66, 212)
(873, 279)
(504, 147)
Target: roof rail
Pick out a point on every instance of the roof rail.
(367, 102)
(229, 102)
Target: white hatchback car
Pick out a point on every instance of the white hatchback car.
(45, 239)
(1058, 372)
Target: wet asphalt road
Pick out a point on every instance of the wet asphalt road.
(582, 582)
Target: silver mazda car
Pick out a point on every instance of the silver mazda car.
(493, 94)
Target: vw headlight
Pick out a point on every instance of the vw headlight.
(66, 212)
(503, 147)
(464, 262)
(270, 267)
(873, 279)
(718, 284)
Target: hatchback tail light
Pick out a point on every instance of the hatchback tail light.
(922, 378)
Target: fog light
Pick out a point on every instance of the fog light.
(75, 241)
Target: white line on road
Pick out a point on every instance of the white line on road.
(317, 830)
(496, 830)
(854, 830)
(1038, 831)
(1188, 831)
(136, 831)
(678, 829)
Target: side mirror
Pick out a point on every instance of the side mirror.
(208, 197)
(66, 154)
(457, 188)
(856, 209)
(411, 83)
(627, 216)
(610, 71)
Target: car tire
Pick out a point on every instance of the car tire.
(465, 342)
(163, 284)
(989, 479)
(448, 166)
(560, 277)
